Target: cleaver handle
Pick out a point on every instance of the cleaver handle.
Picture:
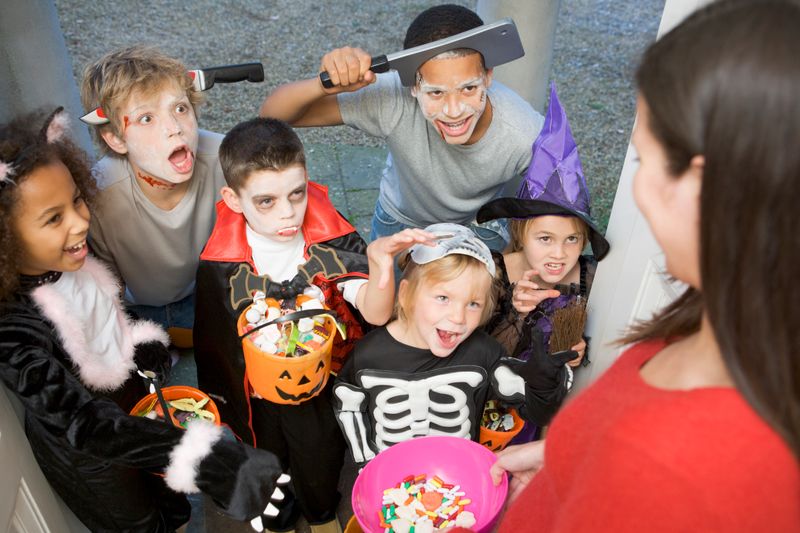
(378, 65)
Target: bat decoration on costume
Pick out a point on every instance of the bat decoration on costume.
(202, 80)
(321, 260)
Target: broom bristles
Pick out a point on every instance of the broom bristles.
(568, 324)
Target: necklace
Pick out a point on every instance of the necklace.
(31, 282)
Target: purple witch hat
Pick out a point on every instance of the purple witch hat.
(554, 183)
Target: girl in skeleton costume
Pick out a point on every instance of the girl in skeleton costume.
(70, 354)
(430, 370)
(544, 271)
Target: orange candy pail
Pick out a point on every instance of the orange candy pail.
(177, 392)
(497, 440)
(287, 380)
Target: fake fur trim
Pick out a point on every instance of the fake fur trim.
(185, 458)
(98, 371)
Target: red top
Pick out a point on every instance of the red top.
(625, 456)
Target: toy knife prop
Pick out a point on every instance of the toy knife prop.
(202, 80)
(498, 42)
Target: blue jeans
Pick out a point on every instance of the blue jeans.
(493, 233)
(178, 314)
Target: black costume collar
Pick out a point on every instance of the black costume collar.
(28, 283)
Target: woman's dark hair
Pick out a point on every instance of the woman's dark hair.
(24, 147)
(724, 84)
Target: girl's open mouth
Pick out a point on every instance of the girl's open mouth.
(78, 251)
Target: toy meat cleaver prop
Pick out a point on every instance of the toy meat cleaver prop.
(202, 80)
(498, 42)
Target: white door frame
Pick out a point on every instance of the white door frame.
(630, 282)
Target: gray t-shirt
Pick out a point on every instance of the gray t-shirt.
(427, 180)
(154, 251)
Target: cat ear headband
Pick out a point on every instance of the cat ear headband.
(54, 129)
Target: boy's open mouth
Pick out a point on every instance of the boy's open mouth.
(448, 339)
(288, 232)
(182, 160)
(455, 129)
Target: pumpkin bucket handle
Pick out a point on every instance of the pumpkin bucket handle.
(303, 313)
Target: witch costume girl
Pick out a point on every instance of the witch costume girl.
(554, 185)
(70, 354)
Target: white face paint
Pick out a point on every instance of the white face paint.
(274, 202)
(451, 92)
(160, 134)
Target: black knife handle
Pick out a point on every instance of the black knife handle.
(232, 73)
(378, 65)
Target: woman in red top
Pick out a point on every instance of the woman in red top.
(697, 427)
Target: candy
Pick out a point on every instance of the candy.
(305, 324)
(312, 291)
(423, 505)
(253, 315)
(496, 418)
(290, 338)
(311, 304)
(465, 519)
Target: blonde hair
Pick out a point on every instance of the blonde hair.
(110, 81)
(519, 227)
(441, 270)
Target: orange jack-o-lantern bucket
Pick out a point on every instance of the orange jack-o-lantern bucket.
(288, 380)
(178, 393)
(497, 440)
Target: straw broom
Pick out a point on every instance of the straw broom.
(568, 324)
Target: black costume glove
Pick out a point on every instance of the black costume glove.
(242, 480)
(547, 380)
(545, 372)
(155, 357)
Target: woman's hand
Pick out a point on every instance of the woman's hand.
(522, 462)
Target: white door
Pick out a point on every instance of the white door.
(630, 282)
(27, 503)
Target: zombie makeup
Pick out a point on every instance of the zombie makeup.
(451, 93)
(274, 202)
(160, 135)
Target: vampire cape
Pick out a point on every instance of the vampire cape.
(334, 253)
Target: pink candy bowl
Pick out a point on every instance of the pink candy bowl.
(455, 460)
